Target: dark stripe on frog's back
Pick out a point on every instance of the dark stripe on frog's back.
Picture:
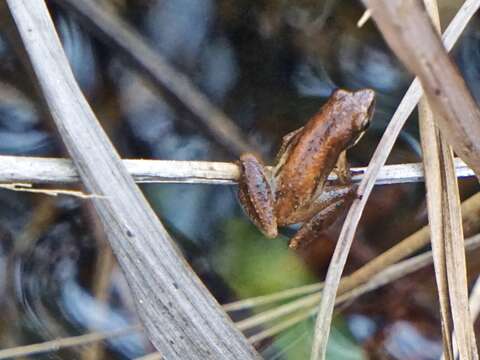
(325, 148)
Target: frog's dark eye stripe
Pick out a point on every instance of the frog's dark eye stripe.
(371, 109)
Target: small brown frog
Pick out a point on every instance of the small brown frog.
(294, 190)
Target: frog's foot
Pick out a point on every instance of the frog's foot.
(321, 221)
(256, 196)
(342, 169)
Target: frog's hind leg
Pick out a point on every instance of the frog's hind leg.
(334, 205)
(328, 195)
(255, 195)
(342, 169)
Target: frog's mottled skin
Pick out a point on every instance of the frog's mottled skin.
(294, 191)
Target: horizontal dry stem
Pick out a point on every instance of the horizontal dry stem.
(55, 345)
(57, 171)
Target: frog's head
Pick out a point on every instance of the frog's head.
(360, 106)
(365, 100)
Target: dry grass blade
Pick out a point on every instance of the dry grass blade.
(406, 27)
(279, 311)
(62, 171)
(282, 325)
(56, 345)
(179, 314)
(474, 302)
(438, 215)
(364, 18)
(272, 298)
(456, 262)
(24, 187)
(378, 160)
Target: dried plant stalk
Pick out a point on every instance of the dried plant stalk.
(36, 170)
(434, 163)
(65, 342)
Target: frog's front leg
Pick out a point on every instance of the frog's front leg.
(256, 196)
(342, 169)
(332, 202)
(288, 141)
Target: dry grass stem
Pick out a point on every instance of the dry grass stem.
(24, 187)
(438, 215)
(56, 345)
(437, 218)
(62, 171)
(282, 325)
(379, 158)
(364, 18)
(277, 312)
(272, 298)
(474, 303)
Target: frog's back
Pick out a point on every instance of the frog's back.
(312, 158)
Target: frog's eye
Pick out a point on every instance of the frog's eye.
(366, 123)
(362, 120)
(366, 116)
